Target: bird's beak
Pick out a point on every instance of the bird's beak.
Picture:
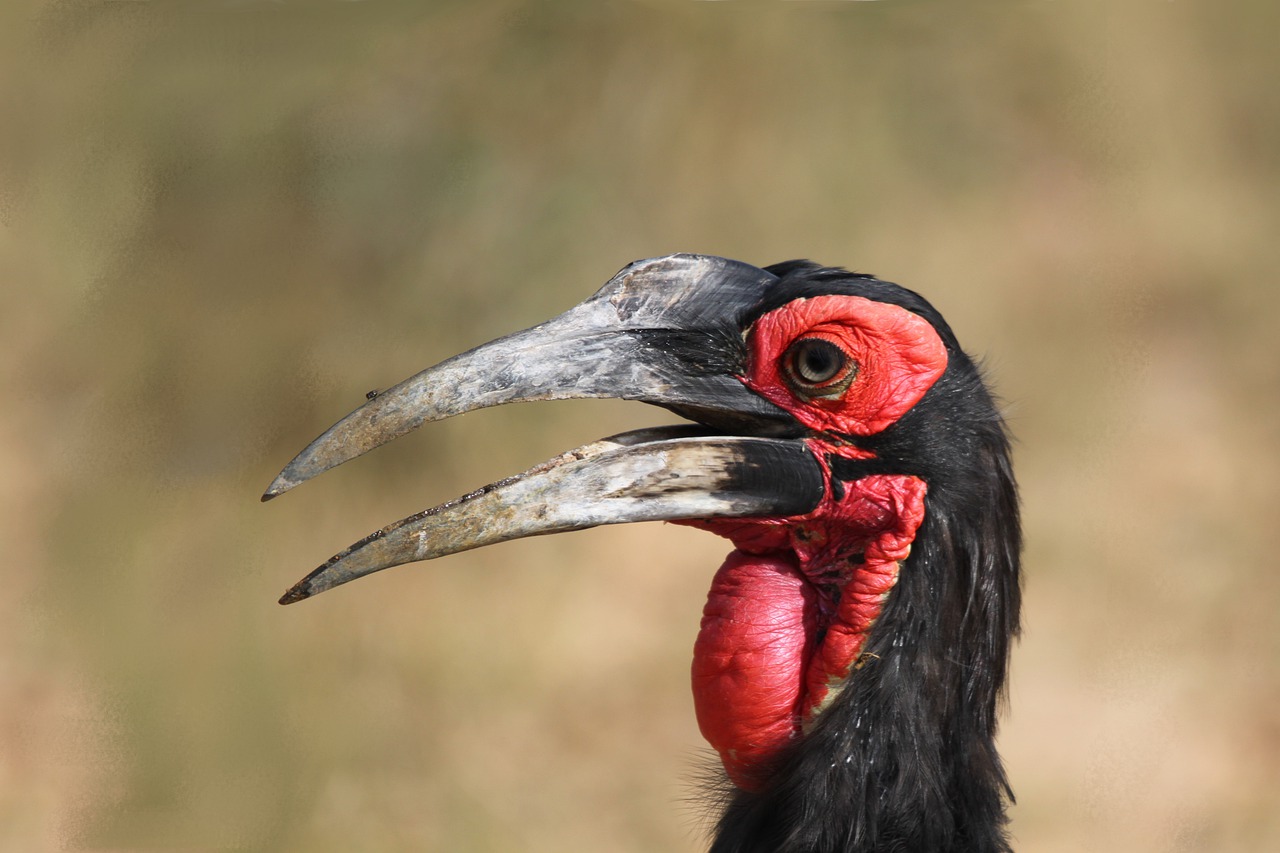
(664, 331)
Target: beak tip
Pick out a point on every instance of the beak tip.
(278, 487)
(296, 593)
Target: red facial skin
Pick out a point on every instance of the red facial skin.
(790, 610)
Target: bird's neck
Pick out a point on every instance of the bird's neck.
(904, 756)
(789, 615)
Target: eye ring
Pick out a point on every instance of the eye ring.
(817, 367)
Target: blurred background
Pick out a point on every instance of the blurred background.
(222, 223)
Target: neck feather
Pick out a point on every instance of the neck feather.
(905, 757)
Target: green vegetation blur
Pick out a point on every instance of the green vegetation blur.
(222, 223)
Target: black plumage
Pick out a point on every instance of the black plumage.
(905, 758)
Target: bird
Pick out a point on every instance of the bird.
(850, 665)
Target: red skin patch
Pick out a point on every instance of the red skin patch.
(750, 658)
(899, 357)
(790, 610)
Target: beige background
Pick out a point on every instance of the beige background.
(222, 223)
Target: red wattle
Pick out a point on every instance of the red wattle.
(749, 660)
(894, 505)
(789, 614)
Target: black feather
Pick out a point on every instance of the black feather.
(905, 758)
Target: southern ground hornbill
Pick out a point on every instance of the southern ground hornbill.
(854, 644)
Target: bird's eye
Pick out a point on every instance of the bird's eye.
(818, 368)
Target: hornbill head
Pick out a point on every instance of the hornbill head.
(855, 641)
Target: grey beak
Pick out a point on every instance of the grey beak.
(667, 331)
(664, 331)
